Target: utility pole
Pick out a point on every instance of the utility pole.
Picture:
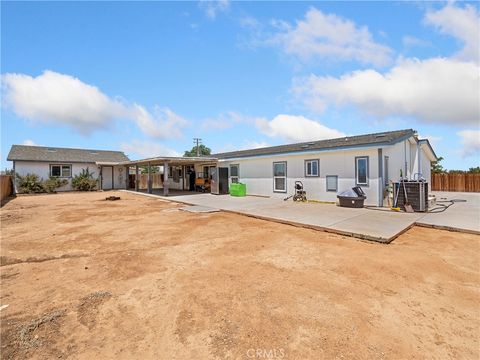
(197, 142)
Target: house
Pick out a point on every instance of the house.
(327, 167)
(66, 163)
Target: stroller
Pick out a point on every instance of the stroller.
(300, 194)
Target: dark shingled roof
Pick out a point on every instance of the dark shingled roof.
(385, 138)
(56, 154)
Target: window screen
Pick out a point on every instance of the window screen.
(311, 167)
(280, 176)
(361, 169)
(332, 182)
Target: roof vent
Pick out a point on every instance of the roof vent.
(380, 135)
(94, 152)
(51, 149)
(310, 143)
(305, 146)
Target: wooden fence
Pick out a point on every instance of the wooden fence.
(6, 186)
(157, 181)
(456, 182)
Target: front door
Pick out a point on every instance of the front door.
(107, 177)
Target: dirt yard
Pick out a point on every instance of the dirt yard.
(86, 278)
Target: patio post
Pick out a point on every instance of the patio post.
(149, 185)
(136, 178)
(165, 178)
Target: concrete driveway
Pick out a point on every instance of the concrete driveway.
(381, 225)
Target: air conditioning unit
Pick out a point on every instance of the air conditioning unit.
(417, 194)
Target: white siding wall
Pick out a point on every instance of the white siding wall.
(425, 168)
(396, 155)
(42, 169)
(257, 173)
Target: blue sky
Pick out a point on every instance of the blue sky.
(148, 77)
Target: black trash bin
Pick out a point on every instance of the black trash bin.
(352, 198)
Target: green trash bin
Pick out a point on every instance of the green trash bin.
(238, 189)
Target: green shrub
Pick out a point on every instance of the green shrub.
(30, 184)
(53, 183)
(84, 181)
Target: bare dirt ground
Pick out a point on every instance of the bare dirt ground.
(86, 278)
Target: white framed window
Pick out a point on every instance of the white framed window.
(332, 182)
(280, 176)
(61, 170)
(312, 168)
(234, 173)
(361, 170)
(385, 170)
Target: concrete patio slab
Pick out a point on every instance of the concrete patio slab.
(379, 225)
(463, 216)
(199, 209)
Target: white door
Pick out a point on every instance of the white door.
(107, 183)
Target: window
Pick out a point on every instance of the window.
(332, 182)
(234, 171)
(61, 170)
(385, 170)
(311, 168)
(361, 170)
(205, 172)
(280, 176)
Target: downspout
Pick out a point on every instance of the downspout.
(405, 158)
(381, 182)
(14, 180)
(419, 164)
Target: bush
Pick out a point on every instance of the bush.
(53, 183)
(30, 184)
(84, 181)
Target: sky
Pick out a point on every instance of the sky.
(148, 77)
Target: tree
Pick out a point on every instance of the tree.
(153, 169)
(436, 167)
(202, 149)
(474, 170)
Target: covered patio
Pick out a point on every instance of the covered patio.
(175, 171)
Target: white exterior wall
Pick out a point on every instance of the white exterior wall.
(42, 169)
(257, 173)
(425, 168)
(397, 154)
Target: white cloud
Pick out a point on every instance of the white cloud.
(470, 140)
(433, 139)
(63, 99)
(321, 35)
(412, 41)
(434, 91)
(462, 23)
(245, 145)
(145, 149)
(294, 128)
(252, 144)
(226, 120)
(213, 7)
(162, 124)
(29, 142)
(54, 97)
